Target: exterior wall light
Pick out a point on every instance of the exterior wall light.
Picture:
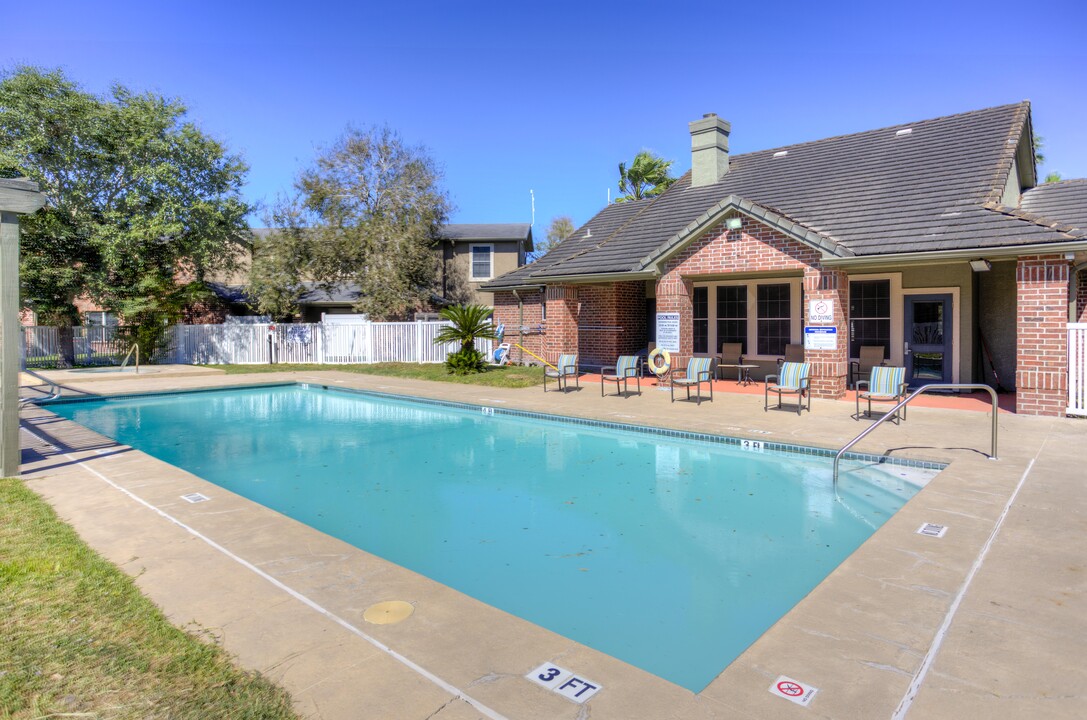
(734, 223)
(981, 265)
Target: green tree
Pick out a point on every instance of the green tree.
(560, 228)
(1039, 156)
(470, 323)
(140, 204)
(647, 176)
(367, 213)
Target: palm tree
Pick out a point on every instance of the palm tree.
(646, 177)
(470, 322)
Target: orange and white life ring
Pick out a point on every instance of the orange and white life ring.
(660, 361)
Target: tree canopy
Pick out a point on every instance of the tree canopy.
(367, 213)
(560, 228)
(140, 204)
(647, 176)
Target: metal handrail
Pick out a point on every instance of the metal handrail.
(56, 391)
(893, 411)
(135, 347)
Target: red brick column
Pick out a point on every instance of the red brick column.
(830, 368)
(562, 313)
(1041, 377)
(674, 295)
(1081, 296)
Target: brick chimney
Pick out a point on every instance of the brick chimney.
(709, 149)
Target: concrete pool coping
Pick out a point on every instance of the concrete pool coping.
(861, 637)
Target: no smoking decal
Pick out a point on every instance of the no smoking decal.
(793, 690)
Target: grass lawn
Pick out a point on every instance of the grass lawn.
(512, 376)
(79, 640)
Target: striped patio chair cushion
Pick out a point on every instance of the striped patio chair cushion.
(792, 374)
(697, 365)
(627, 365)
(886, 381)
(564, 362)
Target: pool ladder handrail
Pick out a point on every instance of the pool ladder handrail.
(54, 387)
(135, 348)
(894, 411)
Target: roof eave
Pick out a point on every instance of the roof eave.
(581, 279)
(915, 258)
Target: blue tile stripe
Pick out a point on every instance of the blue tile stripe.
(584, 422)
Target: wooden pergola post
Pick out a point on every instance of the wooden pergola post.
(17, 197)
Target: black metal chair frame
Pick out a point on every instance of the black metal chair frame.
(615, 377)
(696, 382)
(801, 392)
(562, 375)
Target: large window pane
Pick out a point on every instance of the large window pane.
(774, 323)
(732, 315)
(481, 262)
(701, 319)
(869, 315)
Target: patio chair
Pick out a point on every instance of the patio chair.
(626, 367)
(871, 356)
(793, 354)
(731, 353)
(699, 370)
(886, 384)
(792, 379)
(564, 369)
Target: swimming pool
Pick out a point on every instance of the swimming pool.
(672, 552)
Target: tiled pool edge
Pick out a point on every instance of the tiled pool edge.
(774, 445)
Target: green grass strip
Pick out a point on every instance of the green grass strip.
(79, 640)
(512, 376)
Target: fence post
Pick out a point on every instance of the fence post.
(369, 343)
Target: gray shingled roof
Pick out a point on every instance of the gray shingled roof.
(1064, 202)
(486, 231)
(873, 193)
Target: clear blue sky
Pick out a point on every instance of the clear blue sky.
(551, 96)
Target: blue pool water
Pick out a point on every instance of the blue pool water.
(671, 554)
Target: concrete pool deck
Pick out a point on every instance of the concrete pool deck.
(988, 621)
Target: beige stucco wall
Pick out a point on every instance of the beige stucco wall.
(997, 316)
(953, 278)
(507, 257)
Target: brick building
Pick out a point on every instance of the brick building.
(930, 239)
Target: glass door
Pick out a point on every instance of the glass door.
(927, 345)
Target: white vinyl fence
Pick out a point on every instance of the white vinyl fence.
(323, 343)
(1077, 369)
(254, 344)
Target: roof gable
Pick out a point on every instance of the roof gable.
(927, 186)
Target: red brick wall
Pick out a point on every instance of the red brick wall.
(507, 311)
(611, 322)
(1041, 377)
(757, 248)
(1081, 297)
(829, 368)
(562, 311)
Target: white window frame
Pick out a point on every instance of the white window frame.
(472, 261)
(796, 311)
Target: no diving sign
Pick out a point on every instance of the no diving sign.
(793, 690)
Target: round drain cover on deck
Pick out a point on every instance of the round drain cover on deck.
(389, 612)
